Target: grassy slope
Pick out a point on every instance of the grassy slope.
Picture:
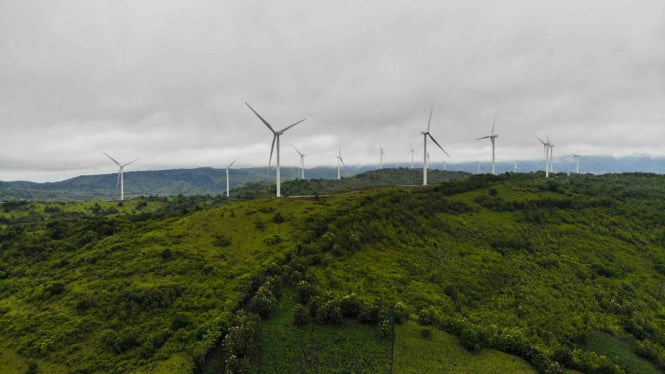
(442, 353)
(349, 347)
(122, 293)
(548, 275)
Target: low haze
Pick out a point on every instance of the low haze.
(166, 81)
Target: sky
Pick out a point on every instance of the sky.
(166, 81)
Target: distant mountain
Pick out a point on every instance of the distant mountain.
(202, 181)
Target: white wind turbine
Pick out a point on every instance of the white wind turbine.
(227, 176)
(492, 137)
(302, 163)
(426, 134)
(577, 163)
(515, 167)
(477, 167)
(381, 153)
(340, 163)
(445, 165)
(275, 139)
(121, 181)
(412, 152)
(546, 147)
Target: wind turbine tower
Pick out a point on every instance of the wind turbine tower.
(227, 176)
(546, 147)
(340, 162)
(275, 139)
(302, 163)
(515, 167)
(381, 153)
(492, 137)
(412, 152)
(426, 134)
(477, 167)
(577, 164)
(121, 181)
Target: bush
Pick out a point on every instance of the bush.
(472, 340)
(385, 328)
(300, 315)
(179, 320)
(429, 316)
(350, 305)
(56, 288)
(263, 302)
(426, 333)
(329, 312)
(400, 313)
(305, 291)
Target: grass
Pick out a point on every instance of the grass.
(347, 348)
(620, 351)
(441, 352)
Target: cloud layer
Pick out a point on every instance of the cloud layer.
(166, 81)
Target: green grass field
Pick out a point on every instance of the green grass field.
(621, 351)
(350, 347)
(441, 352)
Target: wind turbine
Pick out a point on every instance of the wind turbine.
(515, 167)
(412, 152)
(275, 139)
(227, 176)
(477, 167)
(426, 134)
(340, 163)
(445, 165)
(492, 137)
(302, 163)
(121, 181)
(551, 146)
(577, 163)
(381, 153)
(546, 146)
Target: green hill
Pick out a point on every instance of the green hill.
(514, 273)
(246, 183)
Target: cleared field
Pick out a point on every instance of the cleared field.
(435, 351)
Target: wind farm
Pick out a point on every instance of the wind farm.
(352, 251)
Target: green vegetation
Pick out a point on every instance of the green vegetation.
(422, 349)
(485, 272)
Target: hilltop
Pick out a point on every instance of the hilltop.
(513, 273)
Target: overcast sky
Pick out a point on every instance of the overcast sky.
(166, 81)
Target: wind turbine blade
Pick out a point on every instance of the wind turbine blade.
(484, 137)
(130, 162)
(112, 159)
(429, 121)
(288, 127)
(493, 124)
(438, 145)
(261, 118)
(117, 183)
(541, 140)
(272, 148)
(297, 150)
(231, 164)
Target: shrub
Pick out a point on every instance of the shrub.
(56, 288)
(179, 320)
(385, 328)
(305, 291)
(429, 316)
(400, 313)
(278, 218)
(472, 340)
(426, 333)
(221, 241)
(350, 305)
(300, 315)
(167, 254)
(329, 312)
(263, 302)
